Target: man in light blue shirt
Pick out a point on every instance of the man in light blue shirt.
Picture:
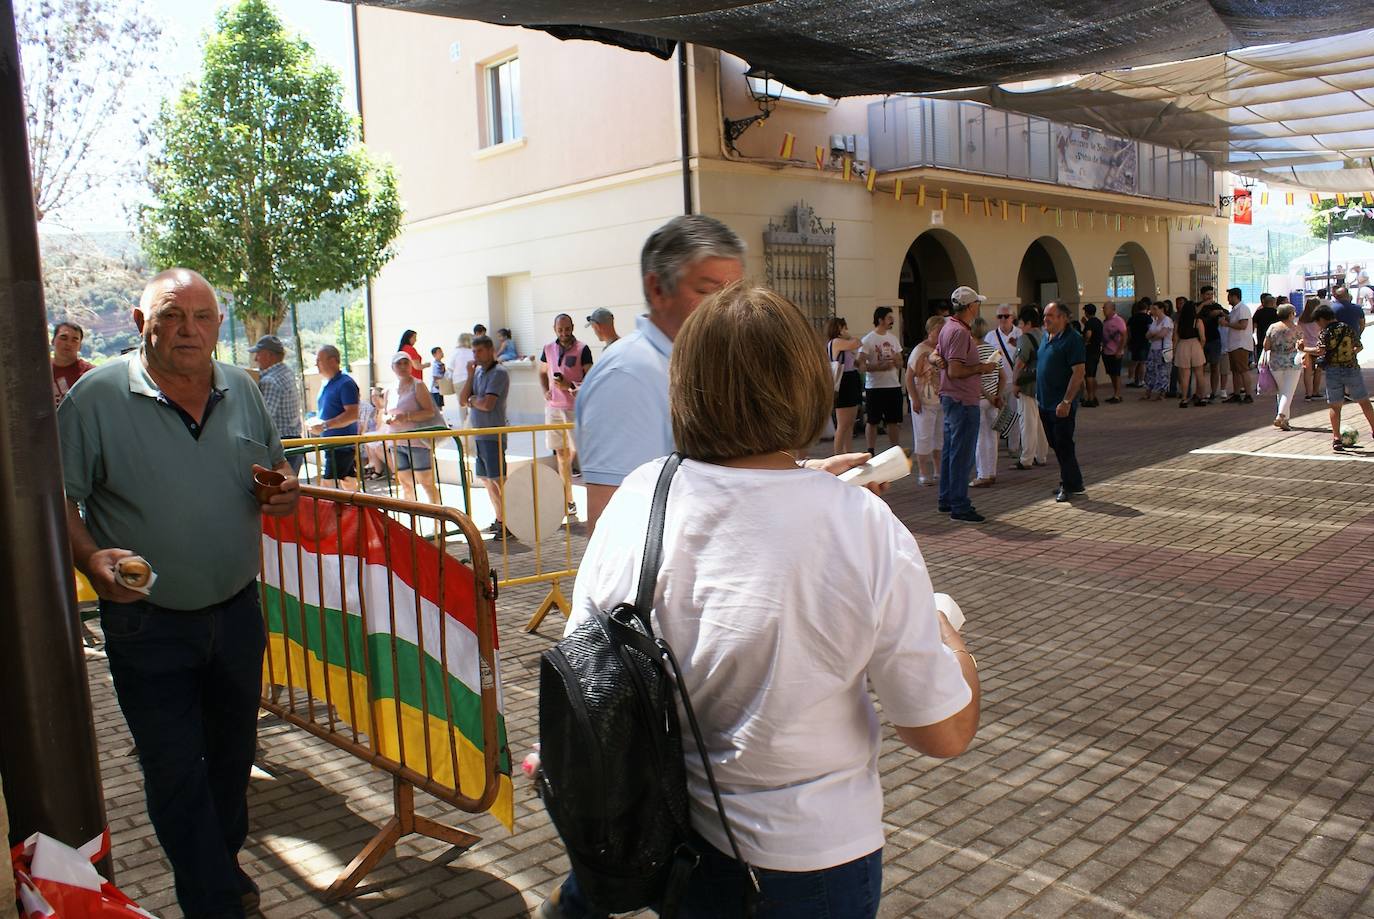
(622, 406)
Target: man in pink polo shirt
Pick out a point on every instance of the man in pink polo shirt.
(960, 389)
(562, 365)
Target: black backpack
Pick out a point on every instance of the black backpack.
(613, 778)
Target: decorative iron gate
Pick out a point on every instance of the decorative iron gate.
(799, 257)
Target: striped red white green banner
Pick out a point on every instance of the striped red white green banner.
(324, 572)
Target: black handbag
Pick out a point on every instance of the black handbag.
(613, 777)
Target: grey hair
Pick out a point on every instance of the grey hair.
(331, 351)
(683, 240)
(1286, 312)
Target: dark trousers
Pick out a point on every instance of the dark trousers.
(956, 459)
(718, 885)
(188, 684)
(1059, 433)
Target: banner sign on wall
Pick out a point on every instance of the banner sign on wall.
(1091, 159)
(1240, 205)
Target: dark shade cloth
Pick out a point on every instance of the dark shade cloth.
(905, 46)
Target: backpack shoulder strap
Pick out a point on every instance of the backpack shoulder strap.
(653, 543)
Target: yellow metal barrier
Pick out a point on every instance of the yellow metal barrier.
(551, 567)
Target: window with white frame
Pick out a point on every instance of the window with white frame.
(504, 123)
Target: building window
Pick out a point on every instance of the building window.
(503, 102)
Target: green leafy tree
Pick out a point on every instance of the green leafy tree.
(1348, 218)
(261, 184)
(353, 341)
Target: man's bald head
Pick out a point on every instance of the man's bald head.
(173, 282)
(179, 319)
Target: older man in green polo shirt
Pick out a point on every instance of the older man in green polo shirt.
(158, 449)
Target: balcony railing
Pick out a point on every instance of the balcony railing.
(911, 132)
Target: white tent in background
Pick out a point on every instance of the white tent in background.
(1344, 252)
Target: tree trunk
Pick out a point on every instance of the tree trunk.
(255, 326)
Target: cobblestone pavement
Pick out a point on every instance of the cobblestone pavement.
(1177, 678)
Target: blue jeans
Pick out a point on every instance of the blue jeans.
(1059, 433)
(718, 885)
(188, 684)
(956, 462)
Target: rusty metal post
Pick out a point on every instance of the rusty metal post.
(47, 739)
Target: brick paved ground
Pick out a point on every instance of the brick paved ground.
(1177, 718)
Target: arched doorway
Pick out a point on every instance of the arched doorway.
(1047, 273)
(935, 264)
(1130, 275)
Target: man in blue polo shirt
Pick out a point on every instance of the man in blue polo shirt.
(158, 450)
(1058, 378)
(622, 406)
(337, 408)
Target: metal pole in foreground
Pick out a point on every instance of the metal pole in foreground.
(47, 740)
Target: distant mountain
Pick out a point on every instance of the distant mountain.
(96, 280)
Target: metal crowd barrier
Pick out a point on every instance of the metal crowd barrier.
(386, 648)
(550, 564)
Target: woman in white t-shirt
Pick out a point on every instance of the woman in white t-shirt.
(784, 593)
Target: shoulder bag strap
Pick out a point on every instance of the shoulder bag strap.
(1002, 343)
(653, 543)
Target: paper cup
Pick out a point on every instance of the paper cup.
(266, 483)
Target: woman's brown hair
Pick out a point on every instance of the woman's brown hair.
(834, 326)
(746, 377)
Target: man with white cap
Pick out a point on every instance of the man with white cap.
(960, 389)
(602, 322)
(279, 390)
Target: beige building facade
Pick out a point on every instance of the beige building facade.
(530, 189)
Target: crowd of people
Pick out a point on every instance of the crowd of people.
(730, 376)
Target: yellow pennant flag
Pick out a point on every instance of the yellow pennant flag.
(1118, 223)
(820, 157)
(1157, 229)
(872, 177)
(1369, 197)
(944, 199)
(1340, 199)
(848, 168)
(921, 195)
(1288, 198)
(1044, 208)
(987, 207)
(1092, 220)
(1023, 212)
(1316, 198)
(965, 202)
(1264, 197)
(1146, 221)
(1005, 205)
(1059, 216)
(788, 140)
(897, 190)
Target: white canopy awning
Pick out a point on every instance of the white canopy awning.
(1344, 252)
(1297, 115)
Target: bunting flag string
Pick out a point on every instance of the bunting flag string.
(921, 195)
(897, 190)
(788, 140)
(987, 207)
(1005, 206)
(848, 168)
(944, 200)
(820, 157)
(1023, 212)
(965, 202)
(872, 177)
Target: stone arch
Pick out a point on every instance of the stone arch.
(1047, 262)
(935, 263)
(1133, 262)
